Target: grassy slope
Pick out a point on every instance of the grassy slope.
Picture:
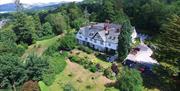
(40, 46)
(80, 78)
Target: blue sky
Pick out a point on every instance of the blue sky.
(35, 1)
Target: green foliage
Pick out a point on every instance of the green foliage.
(12, 71)
(108, 10)
(35, 67)
(93, 68)
(79, 22)
(130, 80)
(109, 73)
(85, 49)
(67, 42)
(24, 28)
(43, 86)
(38, 27)
(47, 29)
(57, 64)
(51, 49)
(7, 35)
(75, 59)
(69, 87)
(169, 49)
(59, 26)
(8, 43)
(124, 44)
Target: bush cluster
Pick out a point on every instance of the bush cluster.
(85, 49)
(109, 73)
(87, 64)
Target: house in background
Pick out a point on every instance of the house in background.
(101, 36)
(3, 22)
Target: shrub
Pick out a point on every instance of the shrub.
(20, 50)
(65, 54)
(69, 87)
(85, 49)
(93, 68)
(52, 49)
(75, 59)
(68, 42)
(30, 86)
(109, 73)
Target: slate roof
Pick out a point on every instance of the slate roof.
(96, 31)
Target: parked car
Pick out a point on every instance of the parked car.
(129, 63)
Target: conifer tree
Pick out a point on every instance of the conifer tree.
(124, 44)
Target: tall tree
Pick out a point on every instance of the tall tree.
(38, 26)
(58, 22)
(130, 80)
(124, 44)
(169, 50)
(47, 29)
(19, 6)
(107, 11)
(11, 71)
(24, 28)
(35, 66)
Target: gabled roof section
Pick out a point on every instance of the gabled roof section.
(97, 32)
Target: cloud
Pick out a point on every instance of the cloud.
(36, 1)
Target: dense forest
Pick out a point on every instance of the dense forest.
(159, 19)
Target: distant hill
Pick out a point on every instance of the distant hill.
(11, 7)
(7, 7)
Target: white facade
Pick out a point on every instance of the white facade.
(101, 43)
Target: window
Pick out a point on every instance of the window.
(102, 42)
(109, 44)
(86, 38)
(95, 41)
(110, 37)
(80, 36)
(80, 32)
(114, 38)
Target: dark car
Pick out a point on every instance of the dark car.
(129, 63)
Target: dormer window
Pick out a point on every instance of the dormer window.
(95, 41)
(91, 34)
(102, 42)
(110, 37)
(80, 32)
(114, 38)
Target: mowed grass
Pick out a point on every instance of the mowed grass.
(40, 46)
(80, 78)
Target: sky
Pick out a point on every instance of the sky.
(35, 1)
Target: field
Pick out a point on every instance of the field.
(81, 79)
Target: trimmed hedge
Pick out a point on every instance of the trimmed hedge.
(85, 49)
(86, 64)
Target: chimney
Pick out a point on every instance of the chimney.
(106, 27)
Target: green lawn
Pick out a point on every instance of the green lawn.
(43, 86)
(80, 78)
